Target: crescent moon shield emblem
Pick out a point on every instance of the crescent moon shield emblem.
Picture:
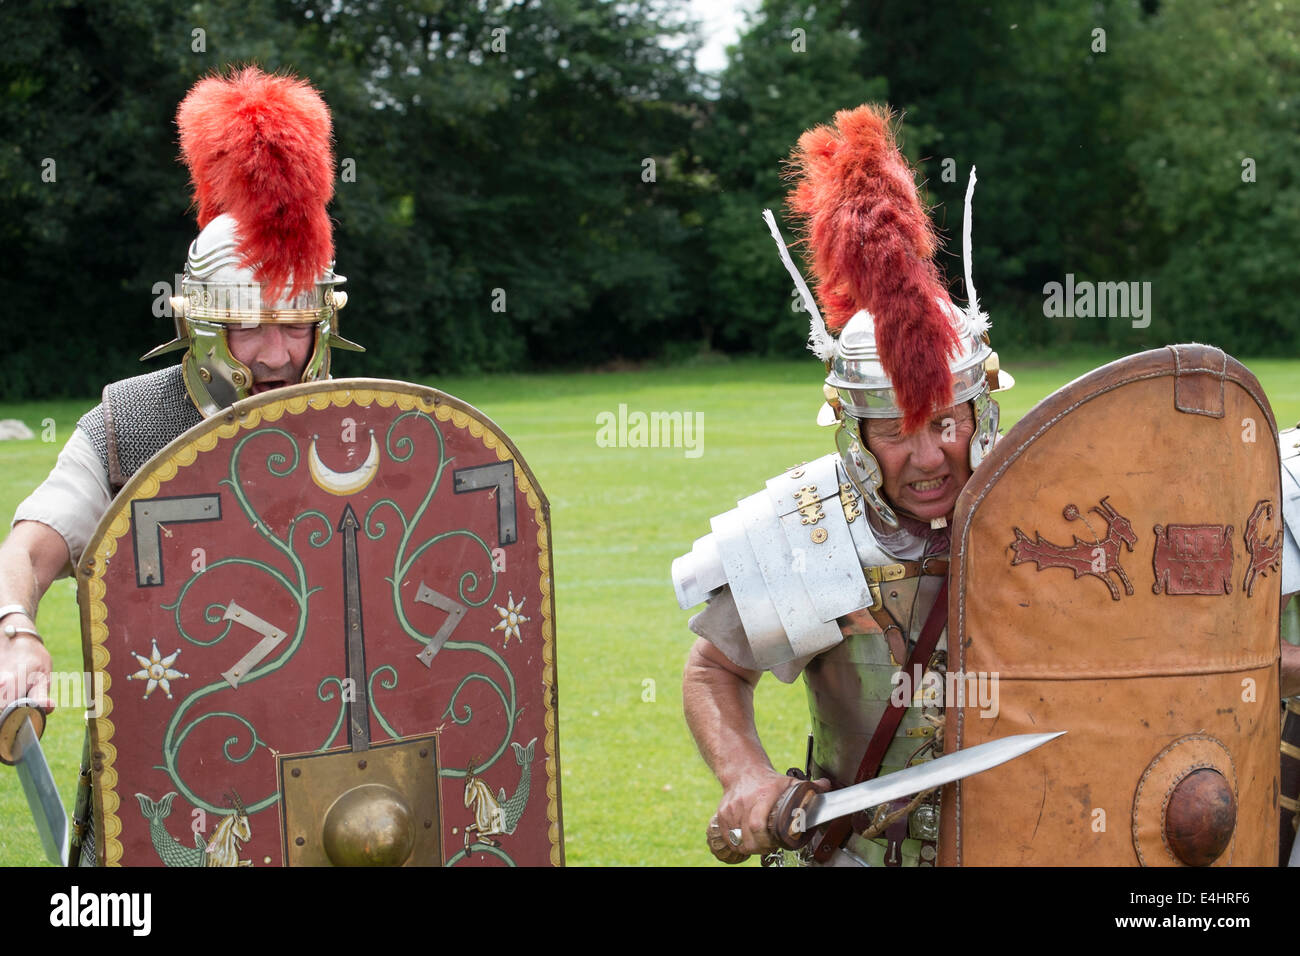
(343, 482)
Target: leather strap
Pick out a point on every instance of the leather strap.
(880, 574)
(893, 632)
(896, 833)
(838, 831)
(895, 636)
(115, 481)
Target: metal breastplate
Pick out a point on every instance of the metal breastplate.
(849, 689)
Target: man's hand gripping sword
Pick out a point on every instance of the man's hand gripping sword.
(802, 809)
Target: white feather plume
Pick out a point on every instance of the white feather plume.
(977, 319)
(820, 341)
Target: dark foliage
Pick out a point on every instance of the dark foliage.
(550, 184)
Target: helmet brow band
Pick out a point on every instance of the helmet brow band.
(278, 316)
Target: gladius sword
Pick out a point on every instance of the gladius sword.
(20, 747)
(803, 808)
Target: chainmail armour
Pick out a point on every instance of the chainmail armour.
(146, 413)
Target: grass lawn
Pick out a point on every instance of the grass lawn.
(634, 789)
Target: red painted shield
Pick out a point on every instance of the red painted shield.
(325, 627)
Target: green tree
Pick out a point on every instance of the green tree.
(794, 66)
(487, 147)
(1023, 91)
(1216, 129)
(1029, 93)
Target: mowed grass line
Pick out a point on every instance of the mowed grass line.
(634, 789)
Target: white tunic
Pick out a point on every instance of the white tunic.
(73, 498)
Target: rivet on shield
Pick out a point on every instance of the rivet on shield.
(819, 535)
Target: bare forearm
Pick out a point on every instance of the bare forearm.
(719, 706)
(718, 698)
(19, 584)
(30, 558)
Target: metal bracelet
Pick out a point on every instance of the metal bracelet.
(8, 609)
(13, 630)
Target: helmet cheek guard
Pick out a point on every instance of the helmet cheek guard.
(862, 467)
(328, 337)
(987, 415)
(214, 378)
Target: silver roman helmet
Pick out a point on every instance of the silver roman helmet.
(258, 150)
(866, 227)
(858, 388)
(218, 293)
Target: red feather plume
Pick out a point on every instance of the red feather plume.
(872, 244)
(258, 147)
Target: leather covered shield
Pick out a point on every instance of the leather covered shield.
(1115, 576)
(324, 624)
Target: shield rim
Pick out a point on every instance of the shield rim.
(246, 414)
(1153, 363)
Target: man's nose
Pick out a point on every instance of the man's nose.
(928, 450)
(272, 347)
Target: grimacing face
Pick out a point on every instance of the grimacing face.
(925, 471)
(276, 354)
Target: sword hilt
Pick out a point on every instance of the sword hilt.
(720, 846)
(784, 823)
(11, 721)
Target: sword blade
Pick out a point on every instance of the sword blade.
(932, 773)
(42, 796)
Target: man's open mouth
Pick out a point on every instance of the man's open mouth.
(260, 387)
(930, 487)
